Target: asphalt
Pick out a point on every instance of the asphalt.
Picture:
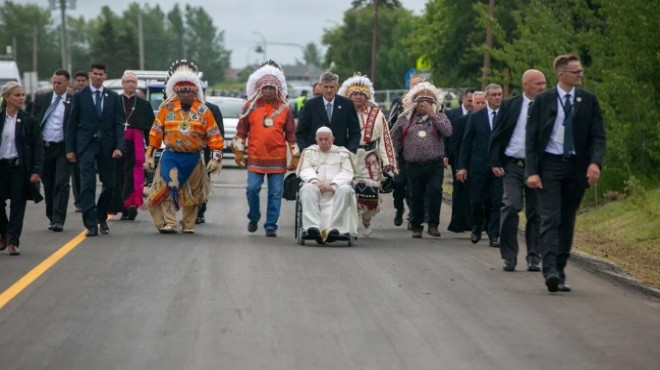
(224, 298)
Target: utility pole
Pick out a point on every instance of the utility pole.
(66, 63)
(140, 38)
(34, 49)
(374, 42)
(489, 43)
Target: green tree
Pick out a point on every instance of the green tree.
(312, 55)
(349, 45)
(18, 24)
(206, 44)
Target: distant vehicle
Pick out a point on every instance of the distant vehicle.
(9, 72)
(231, 109)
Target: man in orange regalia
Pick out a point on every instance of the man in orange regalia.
(186, 126)
(267, 127)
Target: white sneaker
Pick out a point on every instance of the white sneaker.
(366, 232)
(167, 229)
(188, 231)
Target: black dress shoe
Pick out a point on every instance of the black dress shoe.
(252, 226)
(57, 227)
(92, 231)
(50, 227)
(552, 283)
(132, 213)
(271, 233)
(533, 266)
(313, 232)
(509, 265)
(494, 242)
(563, 287)
(200, 220)
(333, 235)
(475, 236)
(124, 217)
(103, 227)
(398, 218)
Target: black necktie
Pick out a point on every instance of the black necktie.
(51, 109)
(568, 126)
(493, 121)
(99, 108)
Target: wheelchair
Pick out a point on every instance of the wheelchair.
(299, 232)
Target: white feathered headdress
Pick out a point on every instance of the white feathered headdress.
(357, 83)
(423, 91)
(183, 76)
(269, 74)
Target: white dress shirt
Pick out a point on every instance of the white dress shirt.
(8, 146)
(516, 147)
(556, 143)
(53, 130)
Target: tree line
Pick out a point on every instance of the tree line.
(616, 41)
(112, 39)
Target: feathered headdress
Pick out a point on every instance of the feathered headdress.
(266, 75)
(357, 83)
(183, 76)
(423, 91)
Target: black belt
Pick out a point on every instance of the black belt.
(559, 157)
(519, 162)
(9, 161)
(367, 147)
(48, 144)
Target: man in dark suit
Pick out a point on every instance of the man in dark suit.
(95, 137)
(82, 80)
(217, 116)
(460, 195)
(507, 160)
(333, 111)
(52, 112)
(484, 185)
(565, 146)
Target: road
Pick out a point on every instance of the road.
(227, 299)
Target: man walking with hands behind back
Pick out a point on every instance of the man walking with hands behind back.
(94, 138)
(565, 146)
(507, 160)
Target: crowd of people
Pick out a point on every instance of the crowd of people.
(539, 151)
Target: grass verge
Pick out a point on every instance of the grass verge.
(625, 232)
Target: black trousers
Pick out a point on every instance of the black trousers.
(401, 190)
(13, 187)
(425, 180)
(517, 194)
(91, 160)
(75, 183)
(486, 196)
(560, 198)
(55, 177)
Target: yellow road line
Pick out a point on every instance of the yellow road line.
(36, 272)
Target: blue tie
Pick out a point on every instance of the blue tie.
(328, 111)
(568, 126)
(51, 109)
(99, 108)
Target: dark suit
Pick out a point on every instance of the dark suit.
(93, 138)
(485, 187)
(461, 217)
(345, 125)
(15, 184)
(564, 179)
(57, 169)
(514, 185)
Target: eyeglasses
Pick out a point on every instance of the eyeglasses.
(578, 72)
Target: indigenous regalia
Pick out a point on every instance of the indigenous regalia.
(180, 180)
(267, 129)
(375, 151)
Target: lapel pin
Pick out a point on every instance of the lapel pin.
(339, 107)
(106, 95)
(578, 99)
(18, 120)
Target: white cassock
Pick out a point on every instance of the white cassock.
(329, 210)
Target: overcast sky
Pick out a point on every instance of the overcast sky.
(291, 21)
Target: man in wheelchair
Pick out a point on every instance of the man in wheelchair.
(327, 196)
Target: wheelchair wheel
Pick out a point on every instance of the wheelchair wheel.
(298, 223)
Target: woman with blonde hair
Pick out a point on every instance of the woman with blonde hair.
(21, 158)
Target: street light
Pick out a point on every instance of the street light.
(263, 39)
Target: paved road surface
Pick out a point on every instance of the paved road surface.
(227, 299)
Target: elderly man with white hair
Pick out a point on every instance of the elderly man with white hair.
(327, 196)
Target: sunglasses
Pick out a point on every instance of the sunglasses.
(578, 72)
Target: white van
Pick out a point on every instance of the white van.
(9, 72)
